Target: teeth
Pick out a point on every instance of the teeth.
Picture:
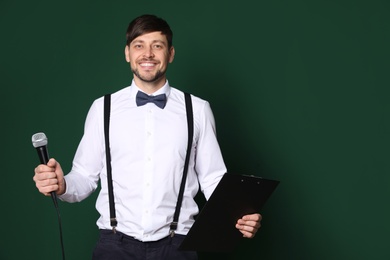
(147, 64)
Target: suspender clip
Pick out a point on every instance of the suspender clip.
(113, 224)
(173, 228)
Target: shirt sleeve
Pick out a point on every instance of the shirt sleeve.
(209, 163)
(87, 163)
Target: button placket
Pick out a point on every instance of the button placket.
(148, 173)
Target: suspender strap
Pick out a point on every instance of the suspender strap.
(190, 124)
(107, 108)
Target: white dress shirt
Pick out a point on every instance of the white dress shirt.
(148, 150)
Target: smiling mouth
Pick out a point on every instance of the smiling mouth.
(147, 64)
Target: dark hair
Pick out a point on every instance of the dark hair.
(148, 23)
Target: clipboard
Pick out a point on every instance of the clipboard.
(235, 196)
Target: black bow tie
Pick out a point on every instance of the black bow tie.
(159, 100)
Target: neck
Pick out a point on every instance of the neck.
(149, 87)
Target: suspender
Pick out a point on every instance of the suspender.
(107, 107)
(190, 125)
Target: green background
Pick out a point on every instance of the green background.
(300, 93)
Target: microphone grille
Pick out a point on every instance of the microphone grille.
(39, 139)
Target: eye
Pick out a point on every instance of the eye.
(157, 46)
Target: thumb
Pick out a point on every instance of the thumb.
(60, 175)
(52, 163)
(57, 167)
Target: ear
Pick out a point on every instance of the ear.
(127, 53)
(171, 54)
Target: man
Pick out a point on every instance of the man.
(148, 144)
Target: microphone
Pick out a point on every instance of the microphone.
(39, 141)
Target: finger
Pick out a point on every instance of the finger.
(247, 232)
(47, 186)
(45, 179)
(250, 220)
(254, 217)
(251, 227)
(48, 182)
(50, 166)
(252, 224)
(42, 168)
(41, 176)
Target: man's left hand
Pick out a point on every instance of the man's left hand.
(249, 224)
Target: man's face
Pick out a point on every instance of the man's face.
(149, 55)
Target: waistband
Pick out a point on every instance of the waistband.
(121, 237)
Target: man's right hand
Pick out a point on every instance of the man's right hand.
(50, 178)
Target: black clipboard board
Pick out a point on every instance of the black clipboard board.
(235, 196)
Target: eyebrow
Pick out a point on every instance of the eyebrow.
(155, 41)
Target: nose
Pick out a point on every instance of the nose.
(149, 53)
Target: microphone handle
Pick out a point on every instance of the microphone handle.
(44, 159)
(43, 154)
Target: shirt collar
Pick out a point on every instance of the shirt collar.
(166, 89)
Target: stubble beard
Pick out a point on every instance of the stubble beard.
(149, 79)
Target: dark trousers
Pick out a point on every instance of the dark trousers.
(119, 246)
